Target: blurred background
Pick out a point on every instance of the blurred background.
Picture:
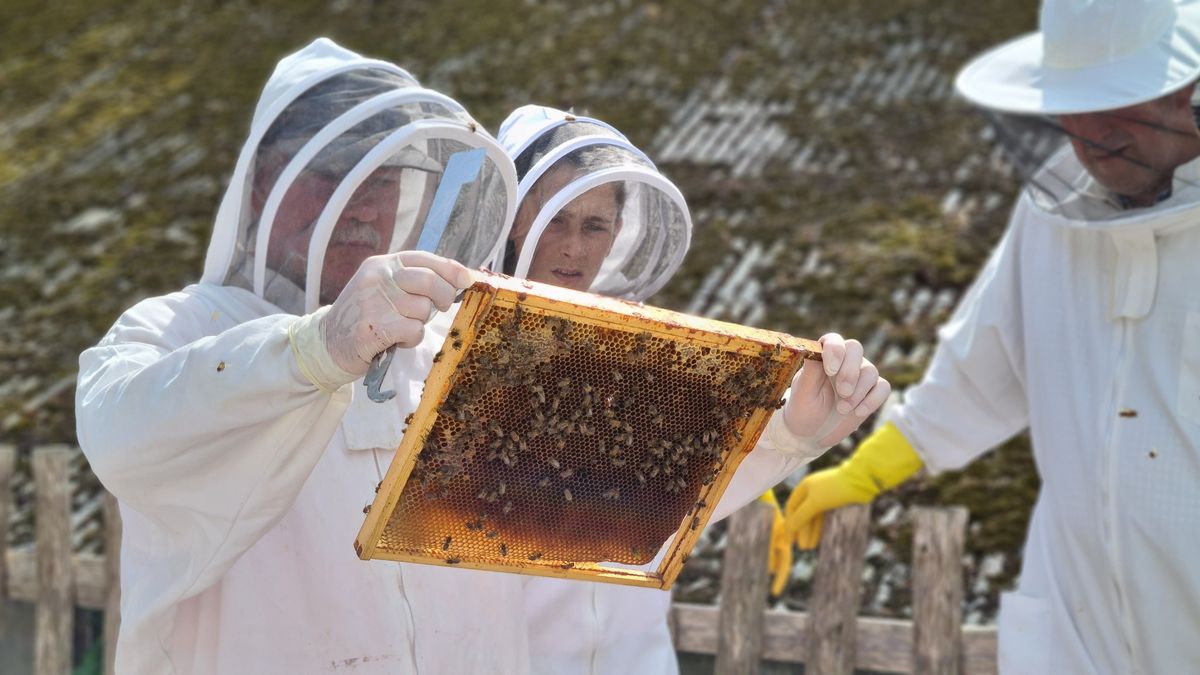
(836, 181)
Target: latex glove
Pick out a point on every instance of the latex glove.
(830, 399)
(884, 460)
(779, 561)
(387, 302)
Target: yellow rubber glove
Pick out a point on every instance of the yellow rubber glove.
(884, 460)
(780, 559)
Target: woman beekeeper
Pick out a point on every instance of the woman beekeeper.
(595, 214)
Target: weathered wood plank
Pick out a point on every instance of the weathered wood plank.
(884, 645)
(112, 579)
(91, 588)
(55, 599)
(937, 589)
(837, 586)
(745, 582)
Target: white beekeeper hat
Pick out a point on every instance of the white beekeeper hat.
(1090, 55)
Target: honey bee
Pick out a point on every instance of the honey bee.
(567, 565)
(695, 522)
(408, 419)
(545, 482)
(566, 473)
(567, 494)
(453, 561)
(613, 494)
(504, 549)
(555, 463)
(492, 534)
(446, 544)
(437, 357)
(454, 333)
(457, 345)
(535, 555)
(508, 507)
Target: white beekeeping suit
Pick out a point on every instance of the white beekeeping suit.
(1084, 327)
(241, 482)
(587, 627)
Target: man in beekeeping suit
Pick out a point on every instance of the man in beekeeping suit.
(229, 418)
(595, 214)
(1084, 327)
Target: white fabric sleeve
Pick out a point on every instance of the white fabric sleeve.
(973, 394)
(209, 439)
(776, 456)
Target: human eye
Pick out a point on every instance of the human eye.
(596, 225)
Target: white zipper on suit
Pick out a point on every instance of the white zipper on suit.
(1108, 494)
(1135, 285)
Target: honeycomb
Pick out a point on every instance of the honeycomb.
(560, 431)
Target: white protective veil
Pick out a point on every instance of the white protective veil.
(349, 158)
(560, 158)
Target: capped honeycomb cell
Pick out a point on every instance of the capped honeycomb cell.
(567, 434)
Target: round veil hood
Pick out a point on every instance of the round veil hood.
(350, 157)
(561, 158)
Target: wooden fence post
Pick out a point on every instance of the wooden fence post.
(938, 589)
(837, 586)
(745, 583)
(56, 597)
(8, 461)
(112, 576)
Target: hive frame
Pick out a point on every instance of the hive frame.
(499, 291)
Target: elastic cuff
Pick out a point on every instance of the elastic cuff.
(785, 442)
(307, 338)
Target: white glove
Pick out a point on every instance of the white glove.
(387, 302)
(825, 406)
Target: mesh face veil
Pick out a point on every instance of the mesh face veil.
(1105, 168)
(595, 214)
(354, 165)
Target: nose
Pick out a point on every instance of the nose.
(1091, 128)
(572, 244)
(362, 208)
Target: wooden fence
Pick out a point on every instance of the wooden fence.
(740, 632)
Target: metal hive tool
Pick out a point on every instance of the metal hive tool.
(572, 435)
